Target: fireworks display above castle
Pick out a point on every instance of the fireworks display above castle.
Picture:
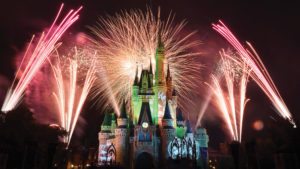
(118, 47)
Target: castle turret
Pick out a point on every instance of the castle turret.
(202, 139)
(103, 136)
(167, 132)
(160, 82)
(121, 137)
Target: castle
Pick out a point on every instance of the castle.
(155, 131)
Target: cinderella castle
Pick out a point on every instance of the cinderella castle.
(151, 131)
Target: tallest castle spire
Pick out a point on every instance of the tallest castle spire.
(160, 58)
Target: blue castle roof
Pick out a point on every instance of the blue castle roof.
(167, 114)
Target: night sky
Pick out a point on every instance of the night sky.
(272, 27)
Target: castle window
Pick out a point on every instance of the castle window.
(144, 136)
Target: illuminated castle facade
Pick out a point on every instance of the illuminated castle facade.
(152, 130)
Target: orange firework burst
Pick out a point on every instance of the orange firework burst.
(129, 40)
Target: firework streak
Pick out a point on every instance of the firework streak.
(259, 72)
(231, 102)
(68, 99)
(46, 44)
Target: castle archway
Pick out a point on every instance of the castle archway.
(144, 161)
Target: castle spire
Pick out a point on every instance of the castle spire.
(160, 59)
(167, 114)
(136, 79)
(160, 43)
(145, 114)
(169, 83)
(167, 120)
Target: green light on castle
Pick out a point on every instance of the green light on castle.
(180, 132)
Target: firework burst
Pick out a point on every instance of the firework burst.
(129, 40)
(70, 96)
(259, 72)
(46, 44)
(231, 97)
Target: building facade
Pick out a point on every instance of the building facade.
(151, 129)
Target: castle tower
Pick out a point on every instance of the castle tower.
(121, 137)
(160, 84)
(103, 136)
(202, 139)
(167, 132)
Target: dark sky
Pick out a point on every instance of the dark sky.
(271, 26)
